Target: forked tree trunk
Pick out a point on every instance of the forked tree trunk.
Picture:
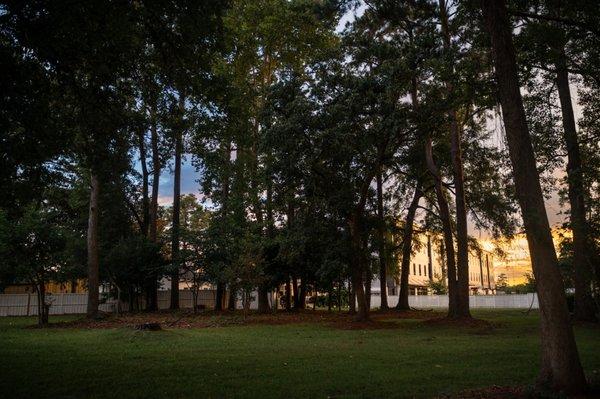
(561, 367)
(585, 307)
(381, 243)
(447, 232)
(444, 215)
(92, 248)
(176, 210)
(462, 238)
(407, 250)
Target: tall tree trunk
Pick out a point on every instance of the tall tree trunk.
(447, 232)
(92, 249)
(561, 367)
(296, 293)
(225, 214)
(288, 287)
(219, 296)
(462, 238)
(177, 209)
(429, 258)
(263, 289)
(444, 214)
(407, 249)
(152, 279)
(368, 283)
(362, 313)
(302, 299)
(42, 307)
(381, 243)
(232, 298)
(145, 178)
(288, 295)
(351, 298)
(263, 299)
(585, 308)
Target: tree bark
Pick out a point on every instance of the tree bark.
(585, 307)
(407, 249)
(302, 299)
(561, 367)
(263, 299)
(362, 313)
(288, 295)
(351, 298)
(444, 214)
(219, 296)
(152, 283)
(232, 298)
(145, 178)
(447, 232)
(42, 308)
(368, 282)
(296, 293)
(462, 238)
(381, 243)
(92, 249)
(177, 209)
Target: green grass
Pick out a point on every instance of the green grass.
(289, 361)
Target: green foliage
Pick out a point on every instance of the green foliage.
(438, 286)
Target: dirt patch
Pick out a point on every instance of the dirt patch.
(212, 319)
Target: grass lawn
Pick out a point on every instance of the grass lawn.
(297, 360)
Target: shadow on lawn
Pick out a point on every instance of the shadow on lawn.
(388, 319)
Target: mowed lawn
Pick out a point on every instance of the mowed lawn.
(280, 361)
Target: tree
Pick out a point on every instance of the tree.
(561, 367)
(34, 251)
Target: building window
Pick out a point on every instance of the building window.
(415, 269)
(419, 269)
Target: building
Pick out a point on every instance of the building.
(52, 287)
(427, 266)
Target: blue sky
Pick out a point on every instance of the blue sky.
(189, 182)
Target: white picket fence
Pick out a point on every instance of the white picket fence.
(27, 304)
(521, 301)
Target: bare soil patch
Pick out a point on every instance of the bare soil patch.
(212, 319)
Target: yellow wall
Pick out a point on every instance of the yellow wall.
(51, 288)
